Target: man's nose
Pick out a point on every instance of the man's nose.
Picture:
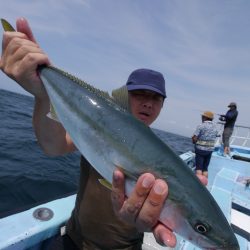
(148, 103)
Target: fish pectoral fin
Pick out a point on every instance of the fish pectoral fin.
(52, 114)
(105, 183)
(108, 185)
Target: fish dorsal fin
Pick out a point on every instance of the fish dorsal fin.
(100, 93)
(120, 96)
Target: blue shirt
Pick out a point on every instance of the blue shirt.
(206, 134)
(230, 118)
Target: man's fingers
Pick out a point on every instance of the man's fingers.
(19, 48)
(23, 27)
(164, 236)
(23, 52)
(203, 179)
(118, 190)
(152, 206)
(134, 203)
(8, 36)
(143, 206)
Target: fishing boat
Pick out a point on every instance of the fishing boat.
(229, 183)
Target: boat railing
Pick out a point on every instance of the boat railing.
(240, 136)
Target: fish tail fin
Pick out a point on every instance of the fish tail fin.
(6, 25)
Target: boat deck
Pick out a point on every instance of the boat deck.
(229, 185)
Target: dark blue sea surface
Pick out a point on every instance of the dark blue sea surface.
(27, 175)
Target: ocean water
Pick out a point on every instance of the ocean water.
(27, 175)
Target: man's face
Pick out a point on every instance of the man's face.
(145, 105)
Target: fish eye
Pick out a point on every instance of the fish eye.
(201, 228)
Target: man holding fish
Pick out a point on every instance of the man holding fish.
(21, 56)
(104, 219)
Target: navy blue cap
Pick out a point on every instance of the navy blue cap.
(232, 104)
(147, 79)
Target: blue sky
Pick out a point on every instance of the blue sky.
(201, 47)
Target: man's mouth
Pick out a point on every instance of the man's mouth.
(144, 114)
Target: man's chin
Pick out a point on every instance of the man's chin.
(145, 120)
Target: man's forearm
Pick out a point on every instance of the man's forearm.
(50, 134)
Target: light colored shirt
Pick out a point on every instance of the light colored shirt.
(206, 134)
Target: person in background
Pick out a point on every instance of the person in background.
(204, 139)
(229, 118)
(101, 219)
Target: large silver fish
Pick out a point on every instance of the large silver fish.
(109, 136)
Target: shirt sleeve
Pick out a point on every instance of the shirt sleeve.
(197, 131)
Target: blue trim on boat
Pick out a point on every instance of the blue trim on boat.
(244, 234)
(36, 204)
(241, 209)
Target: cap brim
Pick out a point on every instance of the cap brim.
(147, 87)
